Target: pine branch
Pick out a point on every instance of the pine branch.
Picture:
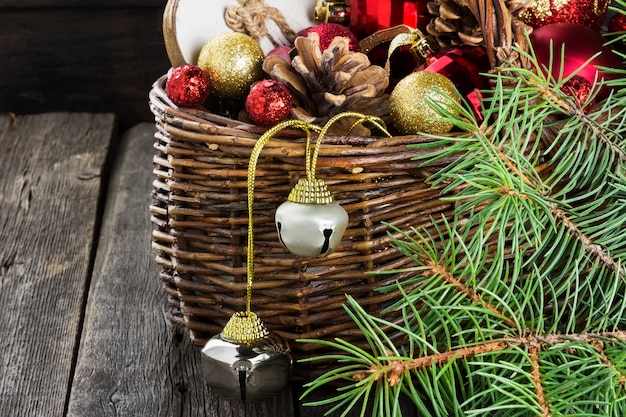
(536, 375)
(393, 369)
(593, 249)
(516, 306)
(599, 345)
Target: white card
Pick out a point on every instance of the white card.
(189, 24)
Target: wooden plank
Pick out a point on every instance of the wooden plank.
(133, 361)
(95, 60)
(50, 178)
(81, 3)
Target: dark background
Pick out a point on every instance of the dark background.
(81, 55)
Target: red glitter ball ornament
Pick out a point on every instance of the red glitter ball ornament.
(268, 103)
(617, 26)
(328, 32)
(589, 13)
(617, 23)
(578, 87)
(187, 86)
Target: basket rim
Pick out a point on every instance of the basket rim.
(203, 120)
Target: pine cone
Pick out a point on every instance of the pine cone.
(453, 23)
(325, 83)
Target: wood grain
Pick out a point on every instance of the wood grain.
(133, 361)
(81, 3)
(50, 176)
(86, 329)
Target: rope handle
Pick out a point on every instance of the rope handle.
(249, 17)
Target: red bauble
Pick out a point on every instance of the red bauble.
(590, 13)
(328, 32)
(463, 65)
(187, 86)
(617, 23)
(370, 16)
(268, 103)
(580, 43)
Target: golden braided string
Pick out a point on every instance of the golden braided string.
(254, 157)
(361, 119)
(311, 163)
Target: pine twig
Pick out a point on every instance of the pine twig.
(596, 250)
(534, 349)
(599, 346)
(444, 273)
(394, 368)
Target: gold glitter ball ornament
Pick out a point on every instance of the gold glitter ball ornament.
(409, 103)
(233, 61)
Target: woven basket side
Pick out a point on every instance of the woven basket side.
(200, 221)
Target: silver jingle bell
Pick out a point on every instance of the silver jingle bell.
(246, 370)
(310, 223)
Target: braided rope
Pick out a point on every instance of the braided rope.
(249, 17)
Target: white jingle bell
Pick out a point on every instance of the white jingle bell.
(310, 223)
(244, 363)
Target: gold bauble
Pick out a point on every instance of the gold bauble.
(410, 112)
(233, 61)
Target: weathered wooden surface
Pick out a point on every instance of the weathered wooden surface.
(86, 329)
(81, 3)
(132, 360)
(50, 176)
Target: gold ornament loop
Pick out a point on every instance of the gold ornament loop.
(421, 46)
(332, 12)
(254, 157)
(246, 326)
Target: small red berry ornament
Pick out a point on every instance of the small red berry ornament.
(268, 103)
(617, 23)
(187, 86)
(617, 26)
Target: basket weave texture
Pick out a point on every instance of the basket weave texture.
(200, 219)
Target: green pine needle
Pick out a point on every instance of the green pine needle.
(516, 305)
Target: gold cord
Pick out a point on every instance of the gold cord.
(246, 326)
(361, 119)
(311, 162)
(254, 157)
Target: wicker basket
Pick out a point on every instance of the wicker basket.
(200, 222)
